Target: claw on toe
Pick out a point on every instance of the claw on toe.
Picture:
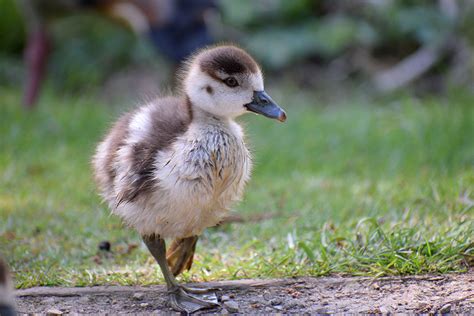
(182, 301)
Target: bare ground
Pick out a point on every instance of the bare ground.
(449, 293)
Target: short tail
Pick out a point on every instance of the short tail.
(180, 254)
(7, 303)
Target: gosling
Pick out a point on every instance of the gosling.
(7, 301)
(174, 166)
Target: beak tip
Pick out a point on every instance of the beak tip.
(282, 117)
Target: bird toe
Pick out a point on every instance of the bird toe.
(182, 301)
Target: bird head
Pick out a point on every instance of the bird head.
(225, 81)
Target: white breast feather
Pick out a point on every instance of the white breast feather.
(197, 180)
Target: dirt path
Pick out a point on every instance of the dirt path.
(418, 294)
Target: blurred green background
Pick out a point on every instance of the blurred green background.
(373, 173)
(313, 43)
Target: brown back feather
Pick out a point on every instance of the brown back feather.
(170, 119)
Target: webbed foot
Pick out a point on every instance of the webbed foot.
(200, 290)
(181, 299)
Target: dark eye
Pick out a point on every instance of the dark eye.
(231, 82)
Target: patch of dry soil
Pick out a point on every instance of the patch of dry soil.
(450, 293)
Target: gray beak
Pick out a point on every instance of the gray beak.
(263, 104)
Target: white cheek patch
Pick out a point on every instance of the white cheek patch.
(256, 81)
(195, 88)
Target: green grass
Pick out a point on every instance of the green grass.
(360, 189)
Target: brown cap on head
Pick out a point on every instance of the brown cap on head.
(228, 59)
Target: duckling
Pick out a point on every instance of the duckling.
(7, 302)
(174, 166)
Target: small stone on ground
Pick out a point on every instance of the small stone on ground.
(231, 306)
(53, 312)
(138, 296)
